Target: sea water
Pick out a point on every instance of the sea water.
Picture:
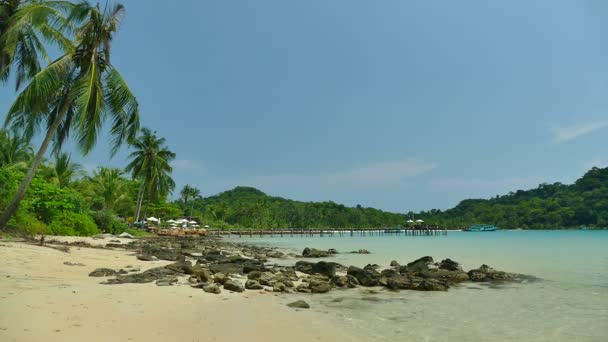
(568, 303)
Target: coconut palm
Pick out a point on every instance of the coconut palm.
(24, 24)
(65, 170)
(14, 149)
(110, 185)
(150, 165)
(76, 94)
(190, 193)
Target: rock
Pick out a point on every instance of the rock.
(147, 276)
(300, 304)
(314, 253)
(162, 253)
(144, 257)
(266, 278)
(166, 281)
(253, 285)
(365, 277)
(212, 288)
(445, 276)
(394, 263)
(181, 267)
(220, 278)
(126, 235)
(103, 272)
(234, 286)
(430, 285)
(202, 275)
(238, 265)
(332, 251)
(398, 282)
(67, 263)
(275, 254)
(322, 267)
(303, 288)
(340, 281)
(450, 265)
(487, 273)
(279, 287)
(320, 287)
(254, 275)
(389, 273)
(352, 281)
(417, 266)
(361, 251)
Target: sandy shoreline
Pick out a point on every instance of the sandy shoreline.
(42, 299)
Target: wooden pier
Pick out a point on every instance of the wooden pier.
(339, 232)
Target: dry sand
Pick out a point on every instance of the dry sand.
(42, 299)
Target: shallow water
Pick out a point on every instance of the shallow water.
(569, 303)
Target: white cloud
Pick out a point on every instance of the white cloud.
(186, 164)
(388, 173)
(561, 134)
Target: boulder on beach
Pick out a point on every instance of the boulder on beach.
(314, 253)
(322, 267)
(103, 272)
(253, 285)
(487, 273)
(212, 288)
(299, 304)
(361, 251)
(450, 265)
(233, 285)
(365, 277)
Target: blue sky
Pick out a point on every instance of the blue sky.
(401, 105)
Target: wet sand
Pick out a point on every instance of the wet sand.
(42, 299)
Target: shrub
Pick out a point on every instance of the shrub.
(70, 223)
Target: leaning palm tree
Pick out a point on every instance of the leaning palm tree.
(24, 24)
(150, 165)
(189, 193)
(66, 170)
(75, 94)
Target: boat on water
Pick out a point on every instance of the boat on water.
(481, 228)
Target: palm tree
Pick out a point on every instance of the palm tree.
(14, 149)
(189, 193)
(150, 164)
(65, 170)
(22, 25)
(110, 185)
(76, 93)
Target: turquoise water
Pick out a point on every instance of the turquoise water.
(570, 303)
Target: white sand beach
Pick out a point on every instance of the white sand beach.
(43, 299)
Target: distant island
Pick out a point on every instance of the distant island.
(549, 206)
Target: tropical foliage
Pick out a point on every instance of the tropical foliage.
(77, 92)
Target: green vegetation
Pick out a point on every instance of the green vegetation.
(75, 93)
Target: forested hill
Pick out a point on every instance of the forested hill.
(557, 205)
(584, 203)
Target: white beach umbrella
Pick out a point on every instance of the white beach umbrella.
(153, 219)
(171, 221)
(192, 222)
(410, 221)
(181, 221)
(206, 226)
(419, 221)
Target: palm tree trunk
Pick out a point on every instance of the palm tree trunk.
(140, 197)
(12, 207)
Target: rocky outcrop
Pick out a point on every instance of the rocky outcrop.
(361, 251)
(212, 288)
(450, 265)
